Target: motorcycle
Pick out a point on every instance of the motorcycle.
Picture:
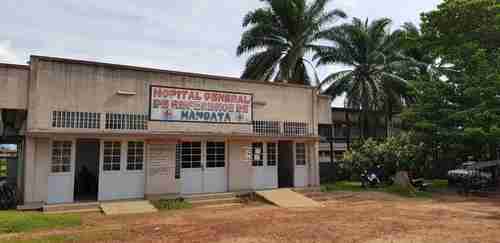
(371, 178)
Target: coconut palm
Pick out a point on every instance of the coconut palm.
(373, 55)
(279, 36)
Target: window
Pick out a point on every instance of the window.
(112, 156)
(296, 128)
(126, 121)
(300, 154)
(272, 154)
(339, 155)
(257, 154)
(135, 155)
(216, 154)
(190, 155)
(267, 127)
(67, 119)
(61, 156)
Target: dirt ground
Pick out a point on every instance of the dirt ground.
(353, 217)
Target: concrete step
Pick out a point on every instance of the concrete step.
(195, 197)
(76, 211)
(224, 205)
(128, 207)
(213, 201)
(307, 189)
(60, 208)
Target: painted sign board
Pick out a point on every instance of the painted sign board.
(194, 105)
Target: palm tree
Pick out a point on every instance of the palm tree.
(374, 56)
(280, 35)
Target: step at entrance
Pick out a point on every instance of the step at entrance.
(129, 207)
(71, 208)
(287, 198)
(213, 199)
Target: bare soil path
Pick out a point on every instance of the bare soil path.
(362, 217)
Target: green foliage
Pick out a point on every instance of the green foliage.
(375, 57)
(171, 204)
(459, 111)
(279, 36)
(3, 167)
(400, 152)
(13, 221)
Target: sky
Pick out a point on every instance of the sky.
(198, 36)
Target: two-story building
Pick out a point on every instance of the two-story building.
(97, 131)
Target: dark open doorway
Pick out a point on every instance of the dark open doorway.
(285, 164)
(86, 170)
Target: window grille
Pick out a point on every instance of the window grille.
(272, 154)
(135, 155)
(295, 128)
(112, 156)
(126, 121)
(257, 154)
(190, 155)
(267, 127)
(178, 160)
(216, 154)
(69, 119)
(61, 156)
(300, 154)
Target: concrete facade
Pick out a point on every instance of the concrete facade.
(51, 85)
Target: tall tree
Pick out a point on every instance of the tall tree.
(461, 110)
(279, 36)
(373, 54)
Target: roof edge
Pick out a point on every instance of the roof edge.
(18, 66)
(179, 73)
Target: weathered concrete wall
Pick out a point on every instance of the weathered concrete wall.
(13, 86)
(37, 160)
(324, 110)
(67, 86)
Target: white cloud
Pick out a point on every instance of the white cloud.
(7, 53)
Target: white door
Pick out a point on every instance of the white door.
(203, 167)
(300, 171)
(122, 170)
(61, 171)
(265, 165)
(214, 174)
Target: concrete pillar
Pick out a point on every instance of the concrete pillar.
(29, 170)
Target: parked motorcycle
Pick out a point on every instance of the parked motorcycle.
(371, 177)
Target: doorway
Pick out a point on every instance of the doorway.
(86, 170)
(285, 164)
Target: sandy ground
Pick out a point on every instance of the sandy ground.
(359, 217)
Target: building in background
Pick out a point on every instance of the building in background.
(97, 131)
(338, 137)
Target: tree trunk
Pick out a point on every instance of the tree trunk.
(402, 180)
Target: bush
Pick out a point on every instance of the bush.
(8, 197)
(171, 204)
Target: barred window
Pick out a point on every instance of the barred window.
(61, 156)
(216, 154)
(295, 128)
(67, 119)
(257, 154)
(190, 155)
(135, 155)
(300, 154)
(272, 154)
(266, 127)
(126, 121)
(112, 156)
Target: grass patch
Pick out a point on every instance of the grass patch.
(439, 184)
(171, 204)
(14, 221)
(354, 186)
